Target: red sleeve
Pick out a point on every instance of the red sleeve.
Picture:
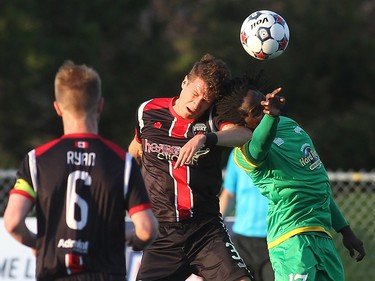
(139, 208)
(224, 124)
(23, 193)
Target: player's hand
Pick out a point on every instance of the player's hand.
(352, 243)
(133, 241)
(189, 149)
(273, 103)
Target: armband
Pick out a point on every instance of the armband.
(211, 139)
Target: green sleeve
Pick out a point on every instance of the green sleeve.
(338, 219)
(263, 136)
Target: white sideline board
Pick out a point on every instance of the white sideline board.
(17, 262)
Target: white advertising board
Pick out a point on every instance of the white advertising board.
(17, 262)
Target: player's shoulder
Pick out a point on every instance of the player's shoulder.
(156, 103)
(121, 152)
(46, 146)
(242, 160)
(285, 120)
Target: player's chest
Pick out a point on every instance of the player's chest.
(173, 129)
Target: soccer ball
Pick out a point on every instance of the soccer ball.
(264, 35)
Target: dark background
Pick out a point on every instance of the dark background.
(143, 49)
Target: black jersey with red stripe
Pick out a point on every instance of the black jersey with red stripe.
(83, 184)
(189, 191)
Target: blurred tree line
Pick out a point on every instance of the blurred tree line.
(143, 49)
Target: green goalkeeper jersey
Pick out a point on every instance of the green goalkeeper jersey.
(282, 161)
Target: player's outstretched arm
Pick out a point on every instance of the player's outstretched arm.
(231, 135)
(352, 243)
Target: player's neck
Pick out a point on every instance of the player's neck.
(80, 126)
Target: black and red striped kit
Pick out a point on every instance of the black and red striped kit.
(189, 191)
(192, 236)
(83, 185)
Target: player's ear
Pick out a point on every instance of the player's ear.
(100, 105)
(184, 82)
(57, 108)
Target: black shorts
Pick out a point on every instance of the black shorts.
(254, 252)
(201, 247)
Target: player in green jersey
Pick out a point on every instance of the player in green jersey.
(282, 161)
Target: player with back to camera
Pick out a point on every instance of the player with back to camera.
(249, 227)
(184, 185)
(81, 185)
(282, 161)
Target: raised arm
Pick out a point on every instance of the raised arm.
(265, 132)
(230, 135)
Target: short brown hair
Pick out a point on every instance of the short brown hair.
(214, 72)
(77, 87)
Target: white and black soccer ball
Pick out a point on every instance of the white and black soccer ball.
(264, 35)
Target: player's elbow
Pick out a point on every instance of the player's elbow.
(149, 230)
(11, 223)
(146, 226)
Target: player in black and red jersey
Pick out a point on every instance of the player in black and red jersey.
(81, 185)
(192, 236)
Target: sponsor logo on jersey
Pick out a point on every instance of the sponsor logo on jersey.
(310, 158)
(199, 128)
(171, 152)
(157, 125)
(76, 245)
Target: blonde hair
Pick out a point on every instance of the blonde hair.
(77, 88)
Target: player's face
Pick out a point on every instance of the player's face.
(252, 108)
(193, 100)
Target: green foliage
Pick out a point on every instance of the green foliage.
(142, 49)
